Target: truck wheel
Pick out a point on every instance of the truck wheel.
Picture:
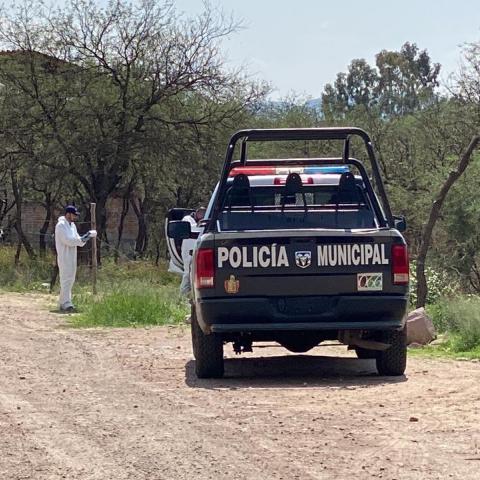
(393, 361)
(365, 354)
(207, 350)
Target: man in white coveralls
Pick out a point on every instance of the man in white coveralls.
(188, 245)
(67, 240)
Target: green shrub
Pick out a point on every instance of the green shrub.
(141, 270)
(440, 316)
(460, 318)
(137, 304)
(36, 274)
(29, 274)
(440, 284)
(130, 293)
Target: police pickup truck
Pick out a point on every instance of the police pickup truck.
(297, 251)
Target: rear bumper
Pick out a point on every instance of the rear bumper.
(312, 313)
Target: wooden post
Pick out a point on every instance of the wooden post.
(93, 220)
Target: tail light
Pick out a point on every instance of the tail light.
(400, 267)
(205, 268)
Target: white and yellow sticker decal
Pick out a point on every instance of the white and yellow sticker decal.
(369, 282)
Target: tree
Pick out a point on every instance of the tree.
(423, 140)
(407, 80)
(358, 87)
(101, 79)
(401, 83)
(182, 164)
(454, 175)
(7, 202)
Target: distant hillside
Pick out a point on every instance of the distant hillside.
(313, 103)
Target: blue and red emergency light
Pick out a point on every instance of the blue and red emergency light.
(251, 171)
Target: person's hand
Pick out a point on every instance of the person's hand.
(87, 236)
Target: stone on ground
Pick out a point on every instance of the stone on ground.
(420, 329)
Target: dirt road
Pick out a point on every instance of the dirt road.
(124, 404)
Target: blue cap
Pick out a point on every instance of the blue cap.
(72, 209)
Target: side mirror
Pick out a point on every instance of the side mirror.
(179, 230)
(400, 223)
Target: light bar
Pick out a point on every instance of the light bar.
(333, 169)
(252, 171)
(287, 170)
(283, 180)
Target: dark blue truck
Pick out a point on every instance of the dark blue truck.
(297, 251)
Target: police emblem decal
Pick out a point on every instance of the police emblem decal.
(303, 259)
(232, 285)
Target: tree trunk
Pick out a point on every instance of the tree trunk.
(5, 207)
(103, 185)
(101, 214)
(454, 175)
(17, 193)
(125, 208)
(100, 211)
(46, 224)
(157, 250)
(17, 253)
(141, 242)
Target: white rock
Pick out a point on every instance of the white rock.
(420, 327)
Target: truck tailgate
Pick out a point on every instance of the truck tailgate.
(304, 263)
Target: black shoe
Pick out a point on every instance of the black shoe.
(68, 310)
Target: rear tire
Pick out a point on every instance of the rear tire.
(365, 354)
(207, 350)
(393, 361)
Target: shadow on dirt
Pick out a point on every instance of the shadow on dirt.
(292, 371)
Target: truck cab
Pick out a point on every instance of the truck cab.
(298, 251)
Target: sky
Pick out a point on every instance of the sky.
(300, 45)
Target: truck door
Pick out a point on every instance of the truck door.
(175, 246)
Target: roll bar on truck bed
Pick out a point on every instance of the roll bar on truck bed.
(301, 134)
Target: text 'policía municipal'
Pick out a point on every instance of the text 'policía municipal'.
(276, 256)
